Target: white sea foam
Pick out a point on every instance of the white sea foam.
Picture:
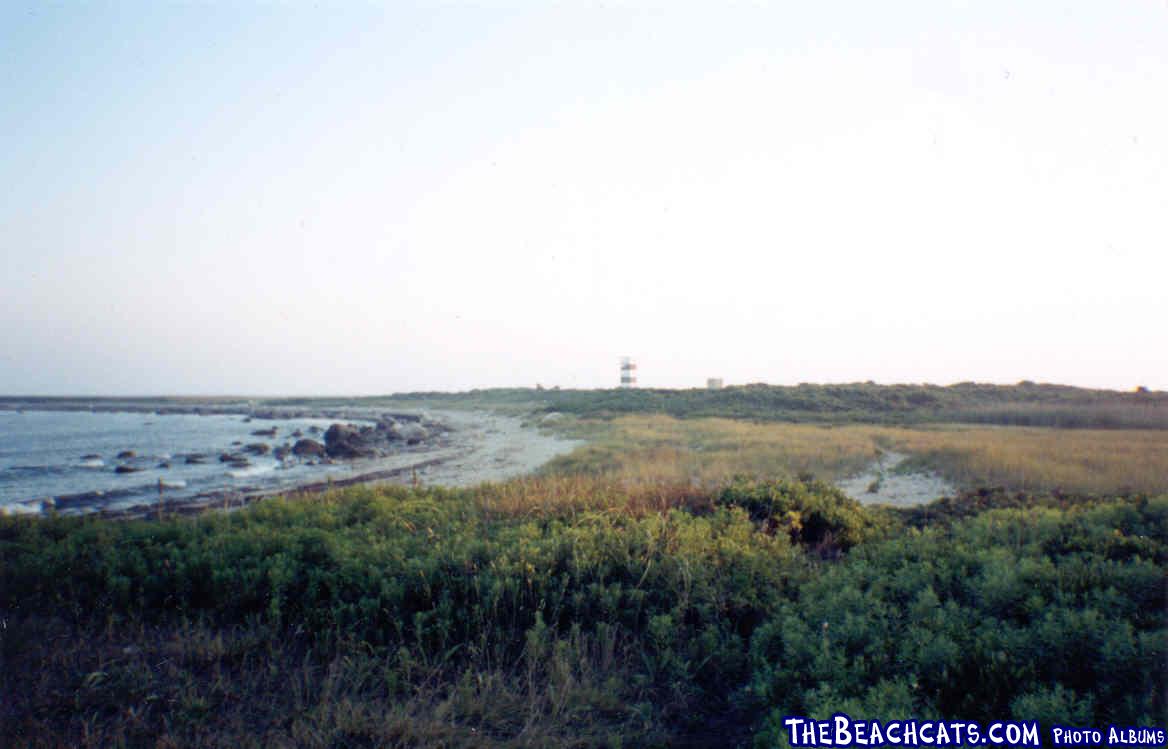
(23, 508)
(251, 471)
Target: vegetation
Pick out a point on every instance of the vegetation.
(683, 579)
(1080, 460)
(1052, 614)
(641, 449)
(1024, 404)
(576, 612)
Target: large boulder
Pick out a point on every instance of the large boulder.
(347, 441)
(306, 447)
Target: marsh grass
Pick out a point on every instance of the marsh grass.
(1028, 458)
(654, 450)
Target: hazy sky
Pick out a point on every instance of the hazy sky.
(339, 198)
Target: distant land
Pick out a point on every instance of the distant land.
(1023, 404)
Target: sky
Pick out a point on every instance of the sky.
(343, 198)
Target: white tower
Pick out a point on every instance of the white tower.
(628, 373)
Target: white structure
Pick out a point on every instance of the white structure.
(714, 383)
(628, 373)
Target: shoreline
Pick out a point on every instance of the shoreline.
(479, 446)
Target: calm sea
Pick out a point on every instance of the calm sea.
(43, 454)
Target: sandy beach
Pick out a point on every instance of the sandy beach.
(481, 446)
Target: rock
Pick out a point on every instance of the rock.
(91, 456)
(126, 454)
(347, 441)
(265, 432)
(126, 469)
(258, 448)
(314, 429)
(164, 464)
(75, 501)
(298, 434)
(239, 462)
(283, 451)
(413, 433)
(236, 443)
(305, 447)
(233, 458)
(196, 459)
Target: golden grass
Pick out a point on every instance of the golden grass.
(1080, 460)
(558, 495)
(658, 450)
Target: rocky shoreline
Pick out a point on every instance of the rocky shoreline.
(368, 444)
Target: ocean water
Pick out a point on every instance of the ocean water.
(42, 457)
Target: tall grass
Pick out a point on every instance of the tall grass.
(656, 449)
(648, 450)
(1080, 460)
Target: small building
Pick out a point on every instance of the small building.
(714, 383)
(628, 373)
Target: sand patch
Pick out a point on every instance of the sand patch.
(880, 484)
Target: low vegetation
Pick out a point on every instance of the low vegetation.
(1024, 404)
(647, 449)
(574, 612)
(1076, 460)
(686, 578)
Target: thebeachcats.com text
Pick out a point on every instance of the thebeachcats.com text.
(843, 731)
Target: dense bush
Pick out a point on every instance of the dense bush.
(421, 576)
(471, 626)
(1040, 614)
(811, 513)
